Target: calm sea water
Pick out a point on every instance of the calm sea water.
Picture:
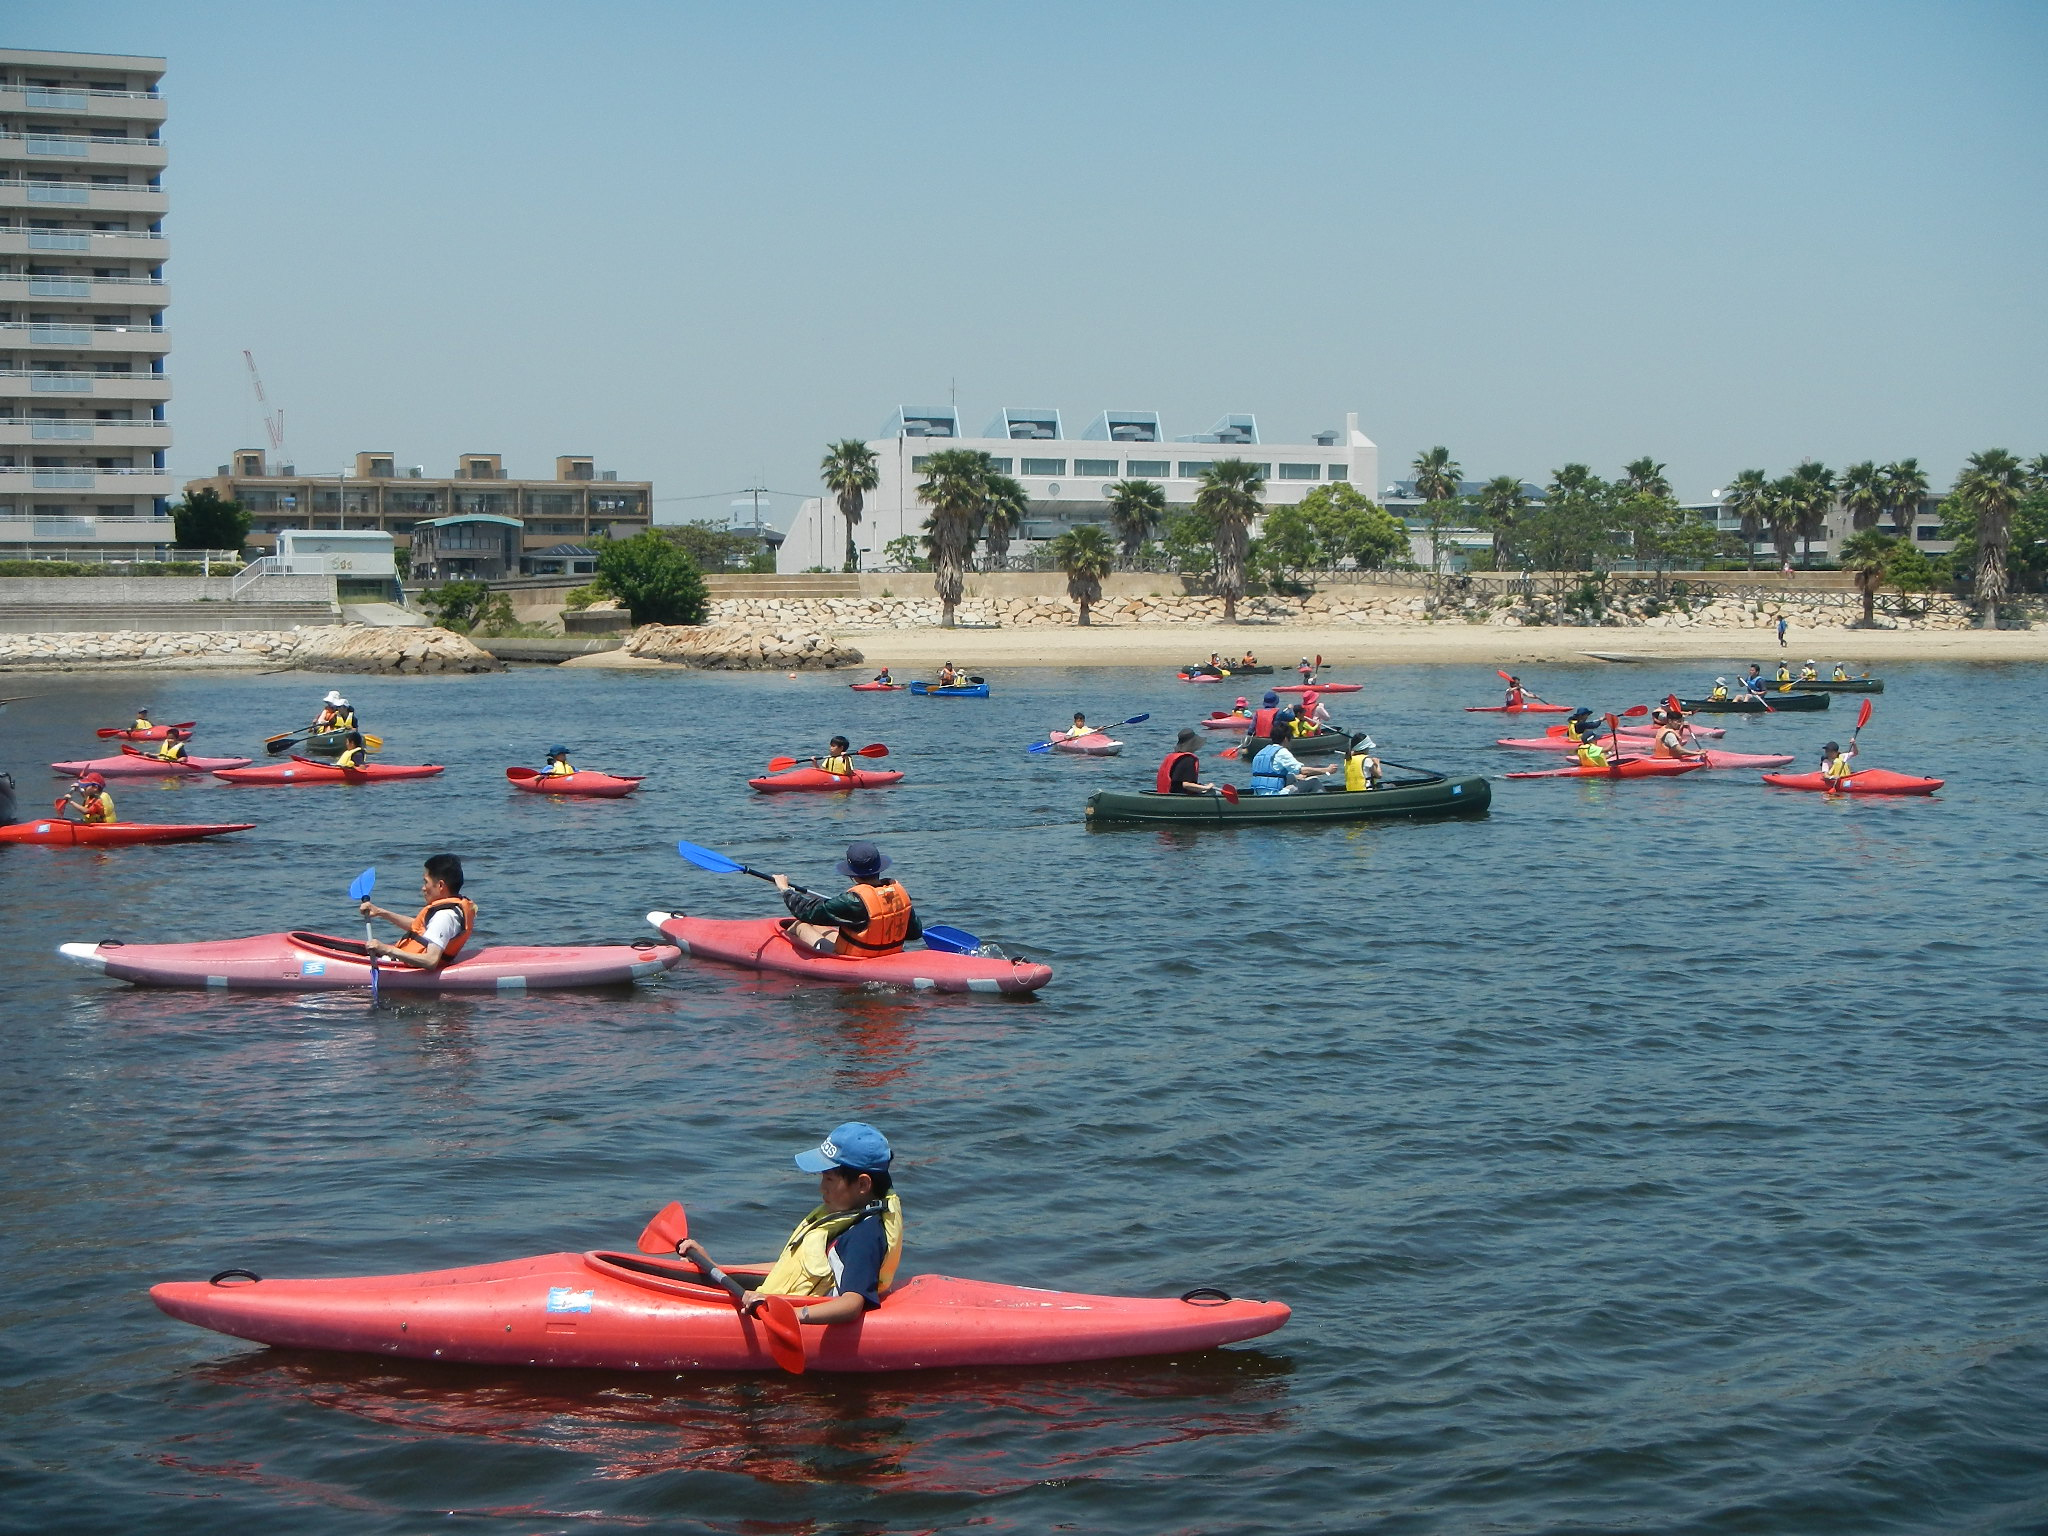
(1662, 1156)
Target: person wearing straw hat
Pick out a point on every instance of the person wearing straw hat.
(336, 713)
(872, 917)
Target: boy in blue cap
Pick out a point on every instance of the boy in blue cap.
(847, 1248)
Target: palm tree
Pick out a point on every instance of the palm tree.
(2037, 472)
(1990, 487)
(956, 489)
(1905, 489)
(1865, 497)
(1501, 501)
(1438, 479)
(1087, 556)
(850, 473)
(1781, 513)
(1003, 512)
(1645, 477)
(1229, 498)
(1813, 498)
(1136, 509)
(1867, 554)
(1748, 496)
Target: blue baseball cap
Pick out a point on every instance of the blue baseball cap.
(855, 1146)
(1271, 697)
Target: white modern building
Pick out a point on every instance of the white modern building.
(1067, 477)
(82, 297)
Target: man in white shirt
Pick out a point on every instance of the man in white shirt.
(442, 926)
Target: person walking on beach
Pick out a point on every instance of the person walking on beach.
(1782, 627)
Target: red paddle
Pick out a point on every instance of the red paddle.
(1229, 793)
(873, 749)
(665, 1234)
(1527, 693)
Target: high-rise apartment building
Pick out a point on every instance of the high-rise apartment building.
(82, 340)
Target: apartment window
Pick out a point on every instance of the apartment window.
(1095, 466)
(1339, 472)
(1927, 531)
(1300, 471)
(1045, 466)
(1149, 469)
(1265, 471)
(1193, 471)
(919, 460)
(1002, 466)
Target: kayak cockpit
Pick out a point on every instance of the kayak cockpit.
(672, 1276)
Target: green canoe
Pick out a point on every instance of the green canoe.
(1845, 685)
(1753, 704)
(1436, 795)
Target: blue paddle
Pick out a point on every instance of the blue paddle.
(1046, 746)
(359, 890)
(956, 941)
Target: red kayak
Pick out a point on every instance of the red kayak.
(147, 733)
(135, 764)
(303, 770)
(1637, 729)
(603, 786)
(636, 1312)
(1865, 781)
(813, 778)
(1200, 677)
(1319, 688)
(760, 944)
(1094, 744)
(1226, 723)
(1623, 768)
(57, 833)
(878, 687)
(1518, 709)
(316, 962)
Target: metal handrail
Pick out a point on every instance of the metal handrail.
(83, 186)
(61, 373)
(70, 325)
(82, 138)
(91, 234)
(254, 571)
(79, 277)
(81, 90)
(73, 469)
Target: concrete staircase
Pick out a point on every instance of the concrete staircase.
(721, 587)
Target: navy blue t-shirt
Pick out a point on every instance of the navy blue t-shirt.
(857, 1255)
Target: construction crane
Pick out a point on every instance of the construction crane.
(273, 421)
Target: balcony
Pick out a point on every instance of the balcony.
(84, 531)
(92, 244)
(48, 387)
(39, 195)
(17, 481)
(37, 334)
(29, 432)
(24, 287)
(101, 106)
(78, 149)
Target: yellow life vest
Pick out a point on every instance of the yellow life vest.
(1835, 769)
(171, 751)
(1808, 675)
(1719, 692)
(142, 723)
(560, 768)
(1841, 674)
(1592, 754)
(805, 1267)
(837, 764)
(98, 810)
(1784, 674)
(1354, 772)
(349, 757)
(1301, 725)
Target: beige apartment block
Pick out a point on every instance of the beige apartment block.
(82, 340)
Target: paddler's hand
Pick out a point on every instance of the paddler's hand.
(781, 882)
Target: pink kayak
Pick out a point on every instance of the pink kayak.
(315, 962)
(1318, 688)
(1561, 744)
(147, 765)
(1095, 744)
(818, 779)
(1226, 723)
(760, 944)
(603, 786)
(878, 687)
(58, 833)
(1637, 728)
(1200, 677)
(303, 770)
(641, 1312)
(1518, 709)
(1865, 781)
(1622, 768)
(147, 732)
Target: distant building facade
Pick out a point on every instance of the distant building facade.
(1067, 478)
(83, 432)
(551, 517)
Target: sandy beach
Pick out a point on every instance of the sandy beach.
(917, 651)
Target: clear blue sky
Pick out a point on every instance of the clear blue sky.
(701, 241)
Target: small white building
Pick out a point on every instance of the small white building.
(362, 561)
(1067, 478)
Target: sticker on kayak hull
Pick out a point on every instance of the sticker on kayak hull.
(313, 968)
(563, 1299)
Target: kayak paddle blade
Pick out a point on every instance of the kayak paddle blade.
(359, 888)
(1138, 719)
(873, 749)
(777, 764)
(668, 1227)
(704, 858)
(785, 1332)
(1230, 794)
(1039, 746)
(1863, 715)
(950, 941)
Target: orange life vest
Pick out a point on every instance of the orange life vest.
(888, 921)
(415, 940)
(1165, 781)
(1262, 724)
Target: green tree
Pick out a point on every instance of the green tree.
(1230, 496)
(1136, 509)
(956, 489)
(711, 547)
(1438, 478)
(1987, 494)
(1349, 525)
(654, 577)
(1782, 507)
(849, 473)
(1905, 488)
(1572, 528)
(1867, 555)
(1190, 542)
(1645, 477)
(1002, 514)
(1289, 544)
(1813, 498)
(2037, 472)
(1087, 556)
(1865, 496)
(905, 554)
(1909, 570)
(468, 607)
(1498, 509)
(1748, 496)
(204, 520)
